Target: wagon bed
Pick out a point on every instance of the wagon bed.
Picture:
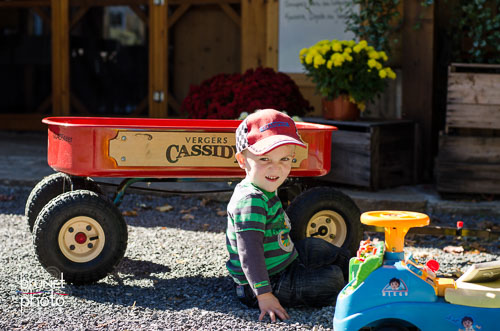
(166, 148)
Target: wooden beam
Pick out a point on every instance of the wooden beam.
(174, 103)
(104, 3)
(78, 16)
(202, 2)
(60, 58)
(44, 105)
(418, 80)
(140, 13)
(231, 13)
(79, 106)
(140, 107)
(24, 3)
(158, 37)
(22, 122)
(253, 33)
(177, 14)
(272, 34)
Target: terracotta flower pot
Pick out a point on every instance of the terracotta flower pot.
(340, 109)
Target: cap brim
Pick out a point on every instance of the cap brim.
(266, 145)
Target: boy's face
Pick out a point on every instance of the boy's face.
(270, 170)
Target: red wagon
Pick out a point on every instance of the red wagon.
(80, 232)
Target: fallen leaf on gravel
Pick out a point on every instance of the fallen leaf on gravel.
(144, 206)
(129, 213)
(188, 217)
(204, 202)
(164, 208)
(474, 252)
(453, 249)
(221, 213)
(206, 226)
(477, 246)
(422, 255)
(175, 298)
(4, 197)
(185, 211)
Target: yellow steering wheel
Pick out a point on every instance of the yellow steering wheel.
(396, 224)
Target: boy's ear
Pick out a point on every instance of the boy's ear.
(241, 160)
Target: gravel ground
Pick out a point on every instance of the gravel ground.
(173, 275)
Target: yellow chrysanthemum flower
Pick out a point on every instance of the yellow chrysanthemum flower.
(303, 51)
(357, 49)
(318, 60)
(309, 58)
(383, 55)
(378, 65)
(382, 73)
(348, 50)
(347, 57)
(374, 55)
(337, 47)
(324, 49)
(372, 63)
(361, 106)
(329, 64)
(363, 44)
(391, 74)
(337, 59)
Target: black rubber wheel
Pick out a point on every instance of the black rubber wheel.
(81, 234)
(328, 214)
(50, 187)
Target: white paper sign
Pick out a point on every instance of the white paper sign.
(302, 23)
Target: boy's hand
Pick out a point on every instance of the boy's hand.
(269, 304)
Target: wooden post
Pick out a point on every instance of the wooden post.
(60, 58)
(417, 65)
(158, 41)
(272, 34)
(253, 34)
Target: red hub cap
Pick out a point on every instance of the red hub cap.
(80, 237)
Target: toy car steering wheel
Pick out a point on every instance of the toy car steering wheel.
(396, 224)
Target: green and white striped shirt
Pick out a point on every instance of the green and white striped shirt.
(257, 237)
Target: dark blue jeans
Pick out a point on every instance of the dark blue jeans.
(314, 279)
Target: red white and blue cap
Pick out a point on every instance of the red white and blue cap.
(265, 130)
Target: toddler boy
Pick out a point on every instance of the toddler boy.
(269, 270)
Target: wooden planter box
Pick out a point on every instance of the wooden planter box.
(468, 159)
(373, 154)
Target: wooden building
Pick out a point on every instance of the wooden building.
(186, 42)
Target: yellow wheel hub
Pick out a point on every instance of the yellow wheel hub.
(328, 225)
(81, 239)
